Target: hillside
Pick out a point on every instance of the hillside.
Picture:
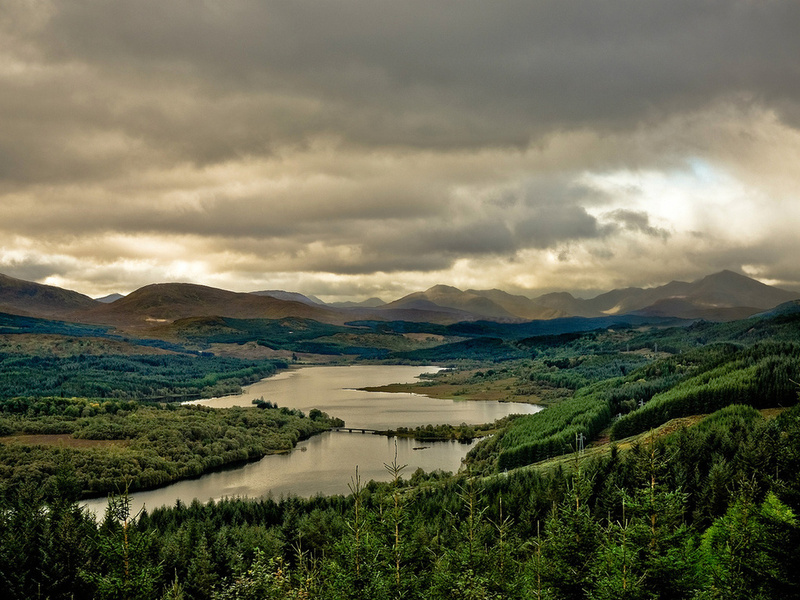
(292, 296)
(444, 296)
(33, 299)
(487, 304)
(520, 306)
(368, 303)
(165, 302)
(674, 493)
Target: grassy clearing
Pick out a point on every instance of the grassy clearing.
(463, 385)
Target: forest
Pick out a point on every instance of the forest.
(705, 512)
(686, 487)
(164, 377)
(111, 445)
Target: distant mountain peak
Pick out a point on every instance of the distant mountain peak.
(728, 275)
(443, 289)
(719, 296)
(109, 298)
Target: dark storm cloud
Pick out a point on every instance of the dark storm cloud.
(358, 137)
(554, 224)
(636, 221)
(213, 81)
(29, 270)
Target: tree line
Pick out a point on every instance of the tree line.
(706, 512)
(164, 377)
(139, 445)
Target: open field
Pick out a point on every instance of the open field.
(464, 385)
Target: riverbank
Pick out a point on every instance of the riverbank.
(324, 464)
(475, 385)
(119, 445)
(340, 391)
(445, 433)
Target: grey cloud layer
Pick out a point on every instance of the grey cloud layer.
(362, 136)
(214, 80)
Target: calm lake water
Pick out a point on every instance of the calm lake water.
(326, 463)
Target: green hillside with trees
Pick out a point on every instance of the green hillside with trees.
(110, 445)
(706, 512)
(664, 465)
(166, 377)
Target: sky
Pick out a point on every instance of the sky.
(358, 148)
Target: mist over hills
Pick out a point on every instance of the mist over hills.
(722, 296)
(368, 303)
(711, 296)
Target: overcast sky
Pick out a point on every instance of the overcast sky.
(353, 148)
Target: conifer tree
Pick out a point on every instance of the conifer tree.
(751, 551)
(618, 569)
(571, 541)
(463, 571)
(124, 570)
(356, 572)
(663, 542)
(395, 515)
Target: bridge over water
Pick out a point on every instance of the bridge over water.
(357, 430)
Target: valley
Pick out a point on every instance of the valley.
(613, 444)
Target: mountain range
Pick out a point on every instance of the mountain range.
(722, 296)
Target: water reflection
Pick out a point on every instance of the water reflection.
(322, 465)
(325, 463)
(332, 390)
